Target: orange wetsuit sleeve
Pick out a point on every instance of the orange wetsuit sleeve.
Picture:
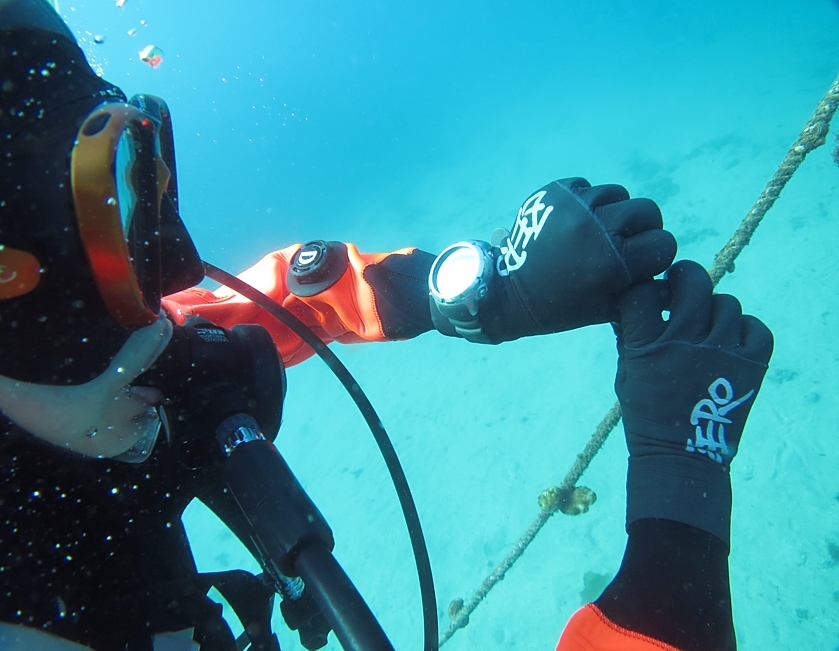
(590, 630)
(380, 297)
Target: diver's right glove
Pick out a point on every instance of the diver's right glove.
(572, 247)
(686, 386)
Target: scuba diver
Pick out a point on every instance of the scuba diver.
(117, 408)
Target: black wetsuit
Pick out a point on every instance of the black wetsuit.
(94, 550)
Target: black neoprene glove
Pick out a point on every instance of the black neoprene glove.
(686, 387)
(572, 247)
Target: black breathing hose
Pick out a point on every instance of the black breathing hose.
(400, 482)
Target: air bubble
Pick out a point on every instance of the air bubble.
(152, 55)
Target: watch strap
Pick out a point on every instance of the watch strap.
(457, 321)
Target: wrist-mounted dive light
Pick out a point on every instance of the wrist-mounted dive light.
(460, 277)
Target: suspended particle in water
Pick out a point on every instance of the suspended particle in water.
(152, 55)
(144, 23)
(120, 3)
(98, 38)
(132, 31)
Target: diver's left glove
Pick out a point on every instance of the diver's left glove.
(572, 247)
(686, 386)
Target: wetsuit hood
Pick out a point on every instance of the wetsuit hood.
(60, 332)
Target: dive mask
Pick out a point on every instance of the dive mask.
(125, 196)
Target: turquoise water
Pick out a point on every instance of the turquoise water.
(392, 125)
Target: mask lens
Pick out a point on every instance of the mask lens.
(137, 181)
(126, 156)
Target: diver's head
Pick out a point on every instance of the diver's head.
(90, 237)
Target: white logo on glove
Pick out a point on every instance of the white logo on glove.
(712, 441)
(531, 218)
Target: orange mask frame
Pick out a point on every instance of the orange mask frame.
(118, 180)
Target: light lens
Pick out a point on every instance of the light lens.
(457, 272)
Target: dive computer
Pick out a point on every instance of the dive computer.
(460, 277)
